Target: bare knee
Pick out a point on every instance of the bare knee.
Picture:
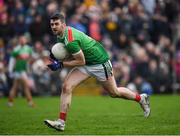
(113, 95)
(67, 88)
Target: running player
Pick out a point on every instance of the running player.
(89, 59)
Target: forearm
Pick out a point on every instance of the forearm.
(77, 60)
(72, 63)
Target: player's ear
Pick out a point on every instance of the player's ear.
(64, 25)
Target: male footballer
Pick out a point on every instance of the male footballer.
(90, 59)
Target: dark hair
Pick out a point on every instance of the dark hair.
(59, 16)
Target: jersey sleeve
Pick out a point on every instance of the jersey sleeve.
(30, 51)
(14, 53)
(73, 47)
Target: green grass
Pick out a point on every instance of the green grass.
(92, 115)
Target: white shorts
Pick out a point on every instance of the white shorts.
(100, 71)
(20, 75)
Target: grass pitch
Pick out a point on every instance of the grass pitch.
(92, 115)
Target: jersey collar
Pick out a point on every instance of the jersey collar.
(65, 32)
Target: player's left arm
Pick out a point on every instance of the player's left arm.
(30, 60)
(77, 54)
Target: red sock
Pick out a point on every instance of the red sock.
(137, 98)
(10, 99)
(62, 116)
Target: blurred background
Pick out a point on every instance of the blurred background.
(141, 36)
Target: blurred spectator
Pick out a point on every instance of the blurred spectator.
(38, 28)
(19, 26)
(123, 42)
(6, 30)
(149, 6)
(3, 80)
(40, 74)
(141, 62)
(177, 66)
(143, 85)
(76, 23)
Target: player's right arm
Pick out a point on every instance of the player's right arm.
(77, 54)
(77, 60)
(12, 62)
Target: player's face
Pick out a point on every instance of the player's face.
(57, 26)
(22, 40)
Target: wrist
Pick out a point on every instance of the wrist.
(62, 63)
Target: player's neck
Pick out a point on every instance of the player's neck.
(61, 35)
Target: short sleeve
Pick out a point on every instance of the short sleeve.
(14, 53)
(73, 47)
(30, 51)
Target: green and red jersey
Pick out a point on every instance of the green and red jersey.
(76, 40)
(21, 55)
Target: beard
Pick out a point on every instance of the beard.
(56, 32)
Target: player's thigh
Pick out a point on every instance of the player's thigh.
(24, 79)
(110, 85)
(74, 78)
(16, 83)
